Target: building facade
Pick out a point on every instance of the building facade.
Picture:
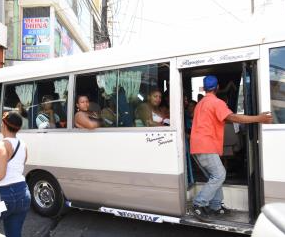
(3, 42)
(41, 29)
(3, 34)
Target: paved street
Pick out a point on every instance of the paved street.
(78, 223)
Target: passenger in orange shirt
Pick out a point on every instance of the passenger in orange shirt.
(206, 145)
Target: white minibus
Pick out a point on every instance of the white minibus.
(131, 168)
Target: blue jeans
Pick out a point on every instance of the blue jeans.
(211, 193)
(17, 199)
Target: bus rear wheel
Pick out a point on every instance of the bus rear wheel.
(47, 197)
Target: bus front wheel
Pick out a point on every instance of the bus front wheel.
(47, 197)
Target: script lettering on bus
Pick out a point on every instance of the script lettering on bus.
(194, 62)
(217, 58)
(148, 139)
(160, 139)
(164, 142)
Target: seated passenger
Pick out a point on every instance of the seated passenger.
(108, 114)
(24, 114)
(47, 118)
(164, 106)
(83, 117)
(188, 116)
(94, 107)
(150, 113)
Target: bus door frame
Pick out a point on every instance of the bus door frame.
(266, 130)
(255, 190)
(243, 54)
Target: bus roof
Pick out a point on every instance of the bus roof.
(208, 40)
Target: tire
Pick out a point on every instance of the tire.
(47, 197)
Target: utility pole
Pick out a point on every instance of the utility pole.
(252, 7)
(104, 22)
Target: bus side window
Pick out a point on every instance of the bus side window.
(150, 95)
(120, 93)
(100, 89)
(50, 104)
(18, 97)
(277, 84)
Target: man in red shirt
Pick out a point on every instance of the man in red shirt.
(206, 143)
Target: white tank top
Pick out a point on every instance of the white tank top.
(15, 167)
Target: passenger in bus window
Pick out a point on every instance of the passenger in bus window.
(24, 114)
(150, 113)
(188, 120)
(189, 115)
(47, 118)
(84, 118)
(206, 146)
(108, 113)
(165, 104)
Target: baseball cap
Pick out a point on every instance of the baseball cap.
(210, 82)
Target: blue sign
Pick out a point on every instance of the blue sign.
(36, 38)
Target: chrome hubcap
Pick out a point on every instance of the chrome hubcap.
(44, 194)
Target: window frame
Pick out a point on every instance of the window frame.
(34, 80)
(264, 96)
(171, 61)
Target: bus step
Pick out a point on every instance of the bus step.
(237, 222)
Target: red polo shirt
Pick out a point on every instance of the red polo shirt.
(207, 133)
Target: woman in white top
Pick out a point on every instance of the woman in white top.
(150, 113)
(13, 188)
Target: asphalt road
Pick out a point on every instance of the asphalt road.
(78, 223)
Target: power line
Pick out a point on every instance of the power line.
(132, 20)
(57, 11)
(130, 35)
(230, 13)
(190, 19)
(146, 19)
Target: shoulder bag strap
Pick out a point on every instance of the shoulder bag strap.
(15, 151)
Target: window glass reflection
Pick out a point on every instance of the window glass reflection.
(18, 97)
(277, 83)
(128, 97)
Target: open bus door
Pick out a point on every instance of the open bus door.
(249, 76)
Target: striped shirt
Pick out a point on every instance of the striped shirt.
(42, 121)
